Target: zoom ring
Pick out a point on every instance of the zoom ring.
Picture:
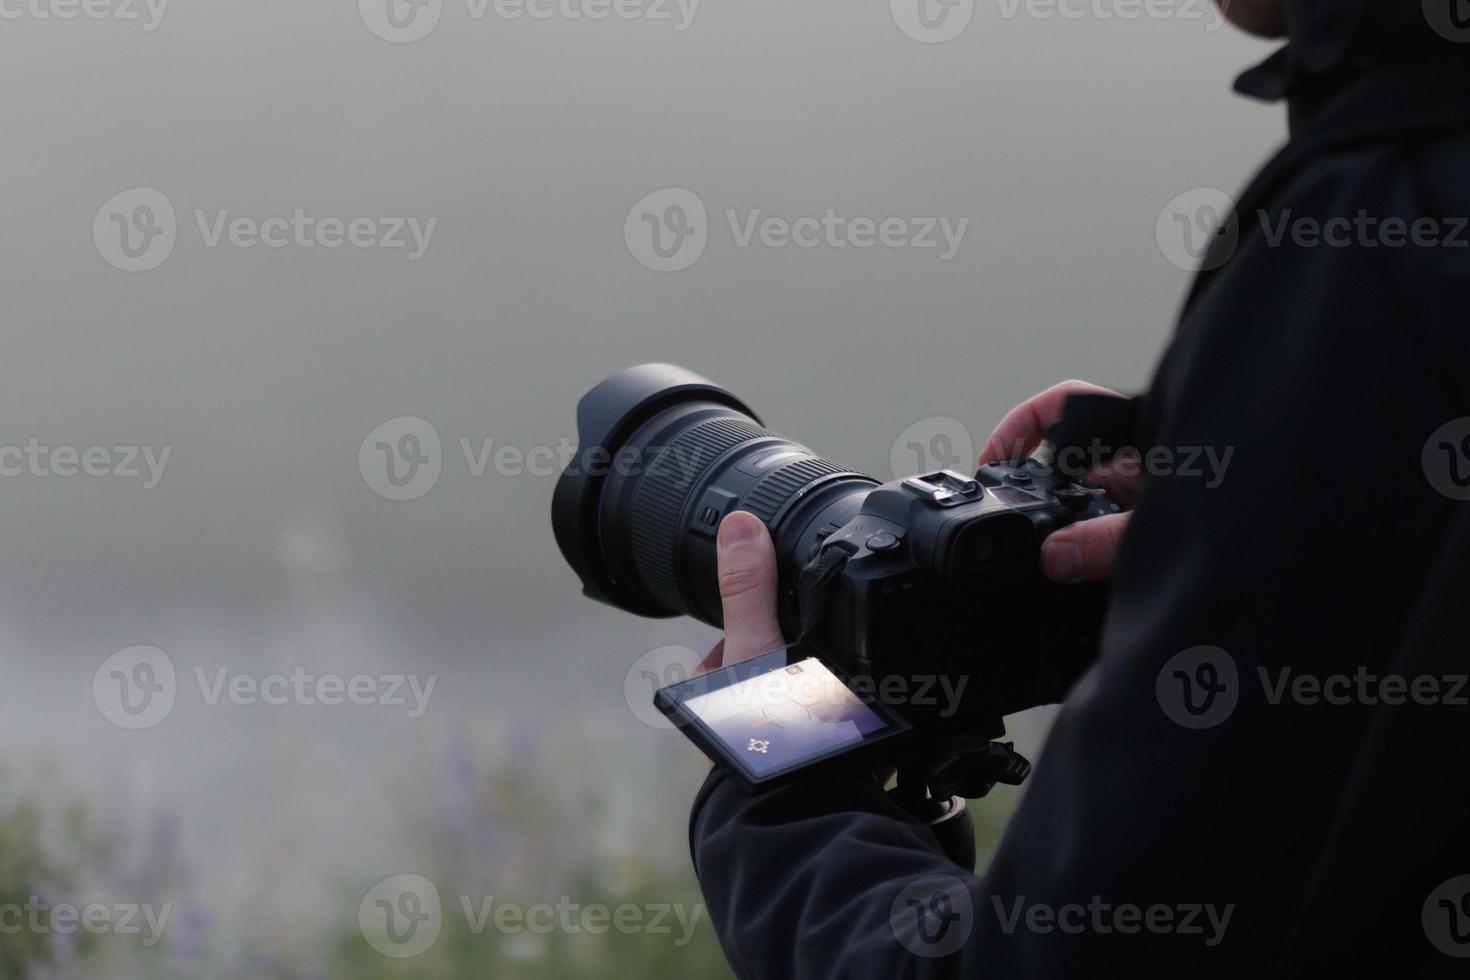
(665, 490)
(767, 497)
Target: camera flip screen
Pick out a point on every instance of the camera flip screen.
(786, 718)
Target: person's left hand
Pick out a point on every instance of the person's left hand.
(747, 571)
(1084, 551)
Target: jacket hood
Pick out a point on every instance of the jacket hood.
(1329, 40)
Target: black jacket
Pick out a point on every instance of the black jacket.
(1336, 545)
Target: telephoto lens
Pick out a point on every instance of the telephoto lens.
(664, 455)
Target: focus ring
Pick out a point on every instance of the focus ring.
(666, 488)
(767, 497)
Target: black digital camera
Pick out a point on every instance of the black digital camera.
(923, 596)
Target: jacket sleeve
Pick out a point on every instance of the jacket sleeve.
(829, 878)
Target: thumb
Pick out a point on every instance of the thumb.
(747, 573)
(1083, 552)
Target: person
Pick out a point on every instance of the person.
(1311, 820)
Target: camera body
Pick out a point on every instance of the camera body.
(923, 593)
(940, 607)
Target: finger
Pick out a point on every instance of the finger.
(1083, 552)
(747, 572)
(713, 661)
(1121, 477)
(1025, 426)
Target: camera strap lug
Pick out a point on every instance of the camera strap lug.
(815, 577)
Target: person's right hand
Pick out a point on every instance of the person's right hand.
(1084, 551)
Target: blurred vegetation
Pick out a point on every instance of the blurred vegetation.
(536, 825)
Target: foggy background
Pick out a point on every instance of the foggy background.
(263, 547)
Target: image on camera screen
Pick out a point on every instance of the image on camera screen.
(787, 717)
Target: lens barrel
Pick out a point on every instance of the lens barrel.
(664, 456)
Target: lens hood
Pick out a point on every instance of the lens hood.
(606, 417)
